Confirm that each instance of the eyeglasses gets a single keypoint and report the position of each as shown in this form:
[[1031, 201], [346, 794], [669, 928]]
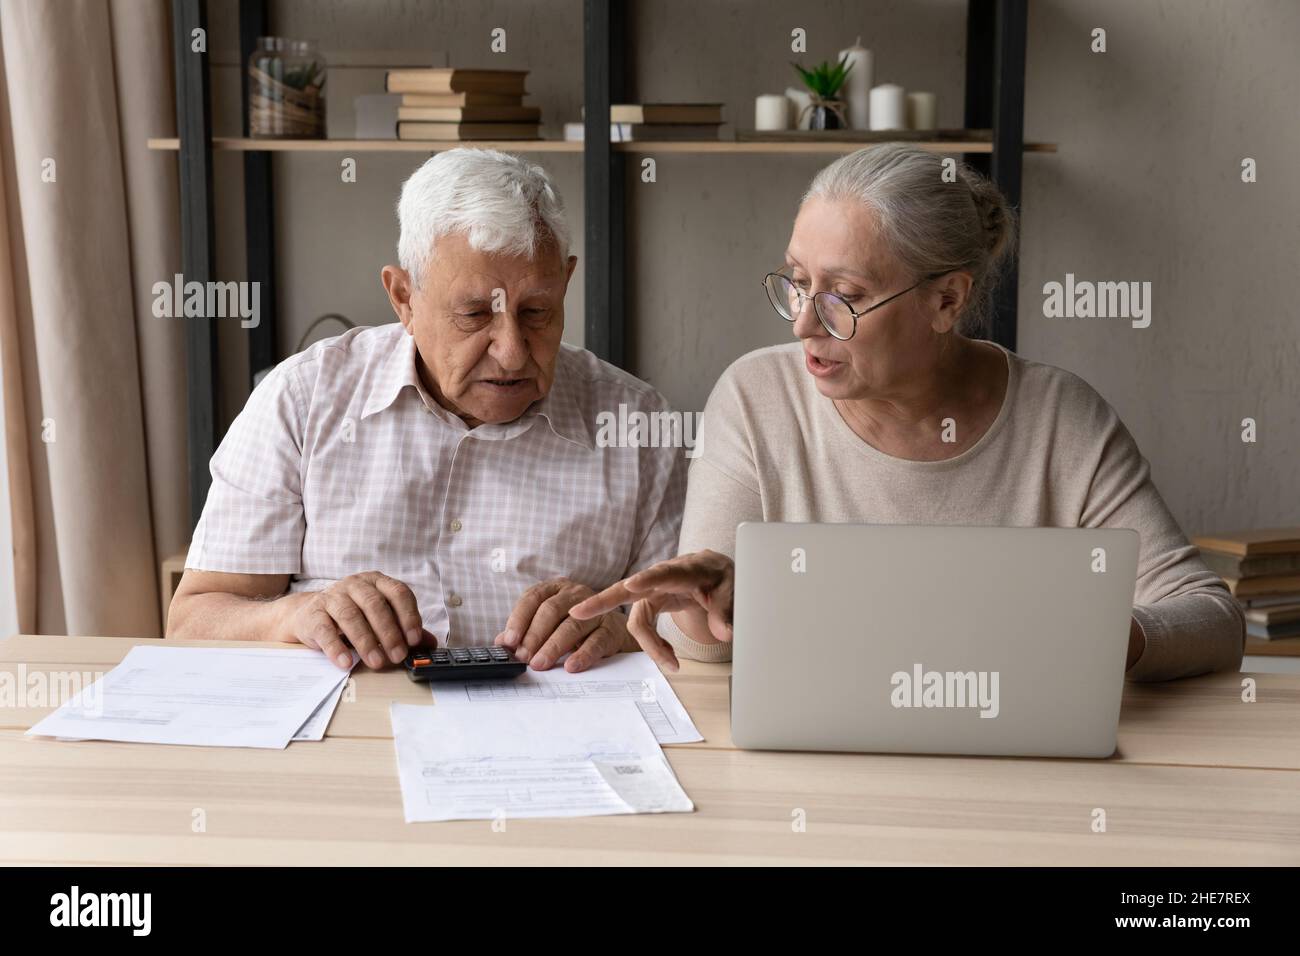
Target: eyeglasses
[[835, 314]]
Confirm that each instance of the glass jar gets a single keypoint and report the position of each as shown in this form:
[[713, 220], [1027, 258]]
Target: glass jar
[[286, 89]]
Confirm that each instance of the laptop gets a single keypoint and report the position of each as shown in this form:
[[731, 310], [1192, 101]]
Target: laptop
[[938, 640]]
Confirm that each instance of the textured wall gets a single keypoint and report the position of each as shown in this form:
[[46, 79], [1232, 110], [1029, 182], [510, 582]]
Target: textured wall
[[1146, 187]]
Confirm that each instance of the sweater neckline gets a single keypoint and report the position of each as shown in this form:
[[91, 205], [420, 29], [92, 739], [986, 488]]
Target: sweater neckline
[[990, 434]]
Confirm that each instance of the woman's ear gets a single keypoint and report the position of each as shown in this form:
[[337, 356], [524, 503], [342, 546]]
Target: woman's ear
[[949, 295]]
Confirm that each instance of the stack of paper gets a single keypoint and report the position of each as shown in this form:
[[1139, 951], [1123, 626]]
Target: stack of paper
[[547, 759], [544, 744], [631, 677], [205, 696]]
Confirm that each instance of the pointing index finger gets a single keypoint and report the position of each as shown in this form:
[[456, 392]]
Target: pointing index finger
[[616, 595]]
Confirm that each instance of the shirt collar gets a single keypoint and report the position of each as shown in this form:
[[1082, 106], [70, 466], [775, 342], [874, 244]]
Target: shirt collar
[[395, 373], [561, 408]]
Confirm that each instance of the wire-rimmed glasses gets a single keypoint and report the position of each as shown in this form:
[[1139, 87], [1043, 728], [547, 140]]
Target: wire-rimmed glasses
[[835, 314]]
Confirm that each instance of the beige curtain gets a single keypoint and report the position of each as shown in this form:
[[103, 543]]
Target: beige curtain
[[94, 392]]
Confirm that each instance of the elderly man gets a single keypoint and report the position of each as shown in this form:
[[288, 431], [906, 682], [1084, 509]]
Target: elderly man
[[438, 478]]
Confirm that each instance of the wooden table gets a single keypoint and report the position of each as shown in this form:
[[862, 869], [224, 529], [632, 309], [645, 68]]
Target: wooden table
[[1200, 778]]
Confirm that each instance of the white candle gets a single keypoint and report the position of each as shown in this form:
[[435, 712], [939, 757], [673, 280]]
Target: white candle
[[857, 86], [799, 100], [922, 111], [772, 112], [887, 109]]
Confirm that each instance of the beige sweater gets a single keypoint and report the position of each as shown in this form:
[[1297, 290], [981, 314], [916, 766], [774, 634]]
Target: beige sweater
[[773, 449]]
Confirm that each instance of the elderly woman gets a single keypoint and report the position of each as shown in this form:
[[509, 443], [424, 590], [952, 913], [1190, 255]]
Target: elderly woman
[[889, 411]]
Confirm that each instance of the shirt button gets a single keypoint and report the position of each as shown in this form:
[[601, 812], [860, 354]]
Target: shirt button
[[453, 599], [455, 524]]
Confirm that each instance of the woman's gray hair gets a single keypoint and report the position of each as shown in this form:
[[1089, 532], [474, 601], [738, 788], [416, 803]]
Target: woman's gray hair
[[500, 202], [931, 225]]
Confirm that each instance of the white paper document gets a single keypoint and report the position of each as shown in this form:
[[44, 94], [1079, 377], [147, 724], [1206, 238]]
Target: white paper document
[[552, 759], [621, 676], [204, 696], [314, 728]]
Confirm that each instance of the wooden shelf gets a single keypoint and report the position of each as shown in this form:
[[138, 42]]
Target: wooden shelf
[[236, 144]]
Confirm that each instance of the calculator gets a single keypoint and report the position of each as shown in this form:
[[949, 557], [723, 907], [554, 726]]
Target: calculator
[[463, 663]]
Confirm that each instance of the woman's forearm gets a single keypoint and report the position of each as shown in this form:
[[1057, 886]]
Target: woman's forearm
[[688, 632], [1191, 633]]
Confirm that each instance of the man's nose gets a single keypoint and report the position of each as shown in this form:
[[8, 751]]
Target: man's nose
[[509, 347]]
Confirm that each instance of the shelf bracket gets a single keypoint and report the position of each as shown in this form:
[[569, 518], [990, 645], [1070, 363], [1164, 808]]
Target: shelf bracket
[[995, 99], [259, 206], [604, 82], [194, 129]]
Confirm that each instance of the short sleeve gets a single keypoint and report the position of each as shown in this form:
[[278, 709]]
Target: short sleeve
[[253, 520]]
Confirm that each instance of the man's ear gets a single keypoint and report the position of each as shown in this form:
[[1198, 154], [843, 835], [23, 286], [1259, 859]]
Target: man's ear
[[951, 292], [571, 265], [398, 285]]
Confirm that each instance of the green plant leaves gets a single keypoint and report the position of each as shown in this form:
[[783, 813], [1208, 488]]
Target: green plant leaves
[[824, 79]]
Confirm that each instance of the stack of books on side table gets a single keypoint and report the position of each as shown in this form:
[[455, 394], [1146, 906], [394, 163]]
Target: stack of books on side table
[[1262, 570]]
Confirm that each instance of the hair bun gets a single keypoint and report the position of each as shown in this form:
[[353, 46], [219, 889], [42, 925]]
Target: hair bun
[[996, 217]]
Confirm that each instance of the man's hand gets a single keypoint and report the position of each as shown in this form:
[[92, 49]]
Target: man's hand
[[700, 584], [374, 613], [540, 630]]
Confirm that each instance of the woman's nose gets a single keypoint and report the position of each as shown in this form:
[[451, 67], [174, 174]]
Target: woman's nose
[[806, 323]]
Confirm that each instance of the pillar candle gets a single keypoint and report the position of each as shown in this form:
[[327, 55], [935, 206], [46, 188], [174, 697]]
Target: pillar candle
[[857, 86], [887, 109], [798, 100], [772, 112], [922, 111]]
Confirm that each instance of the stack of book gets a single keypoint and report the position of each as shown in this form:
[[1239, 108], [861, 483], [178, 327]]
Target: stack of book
[[1262, 570], [447, 104], [657, 122]]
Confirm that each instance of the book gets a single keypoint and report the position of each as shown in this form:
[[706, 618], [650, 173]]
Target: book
[[1249, 544], [681, 113], [1269, 584], [646, 132], [1233, 566], [470, 114], [1271, 632], [1278, 614], [1270, 600], [462, 98], [452, 132], [452, 80]]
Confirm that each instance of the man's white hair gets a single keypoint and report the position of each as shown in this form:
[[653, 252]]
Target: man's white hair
[[502, 203]]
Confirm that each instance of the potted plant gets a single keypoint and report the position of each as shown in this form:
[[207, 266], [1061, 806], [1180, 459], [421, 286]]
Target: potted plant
[[824, 82]]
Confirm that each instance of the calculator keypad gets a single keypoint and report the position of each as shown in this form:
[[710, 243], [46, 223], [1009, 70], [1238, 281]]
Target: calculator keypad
[[463, 663]]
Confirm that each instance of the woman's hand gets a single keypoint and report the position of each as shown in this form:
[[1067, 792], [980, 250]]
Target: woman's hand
[[702, 582], [1137, 643]]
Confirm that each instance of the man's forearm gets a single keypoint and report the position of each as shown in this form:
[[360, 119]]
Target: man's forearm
[[217, 616]]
